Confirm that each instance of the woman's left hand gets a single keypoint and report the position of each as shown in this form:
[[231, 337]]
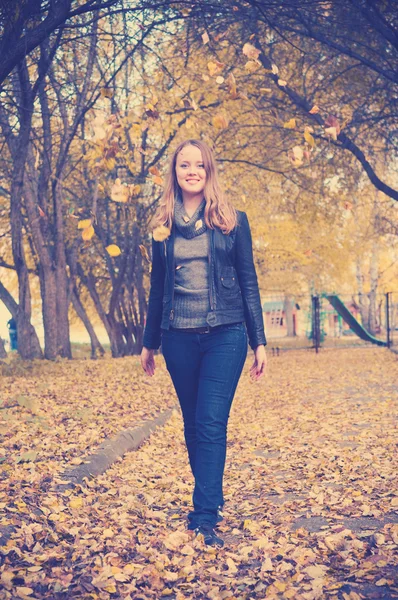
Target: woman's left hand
[[260, 363]]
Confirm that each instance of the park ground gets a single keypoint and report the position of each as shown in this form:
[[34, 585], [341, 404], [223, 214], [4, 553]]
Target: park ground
[[310, 483]]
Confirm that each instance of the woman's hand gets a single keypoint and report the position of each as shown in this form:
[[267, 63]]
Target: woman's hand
[[148, 361], [260, 363]]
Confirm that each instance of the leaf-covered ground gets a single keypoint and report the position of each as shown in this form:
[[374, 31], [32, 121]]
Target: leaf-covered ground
[[310, 486]]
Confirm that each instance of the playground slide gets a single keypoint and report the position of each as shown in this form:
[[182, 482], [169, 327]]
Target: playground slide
[[356, 327]]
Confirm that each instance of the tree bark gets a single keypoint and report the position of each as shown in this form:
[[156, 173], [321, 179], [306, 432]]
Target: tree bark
[[82, 314], [288, 308]]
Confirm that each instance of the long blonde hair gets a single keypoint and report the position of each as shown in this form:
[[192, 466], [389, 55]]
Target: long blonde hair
[[219, 212]]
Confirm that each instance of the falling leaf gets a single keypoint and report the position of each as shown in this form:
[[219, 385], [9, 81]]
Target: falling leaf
[[186, 219], [205, 37], [314, 110], [290, 124], [198, 224], [113, 250], [219, 79], [161, 233], [274, 69], [88, 233], [84, 224]]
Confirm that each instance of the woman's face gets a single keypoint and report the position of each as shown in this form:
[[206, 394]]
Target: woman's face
[[190, 170]]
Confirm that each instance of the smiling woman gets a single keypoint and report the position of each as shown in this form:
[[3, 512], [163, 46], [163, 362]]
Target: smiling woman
[[203, 291]]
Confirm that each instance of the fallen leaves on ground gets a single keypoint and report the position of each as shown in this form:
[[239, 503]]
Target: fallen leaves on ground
[[310, 486]]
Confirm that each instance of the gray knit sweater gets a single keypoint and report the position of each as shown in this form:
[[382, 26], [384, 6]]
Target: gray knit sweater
[[191, 252]]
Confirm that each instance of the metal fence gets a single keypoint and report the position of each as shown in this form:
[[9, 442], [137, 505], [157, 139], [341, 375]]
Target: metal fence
[[330, 321]]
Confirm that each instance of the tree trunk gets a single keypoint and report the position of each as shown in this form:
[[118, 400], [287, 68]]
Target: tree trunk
[[82, 314], [3, 353], [62, 297], [374, 279], [89, 282], [30, 333], [28, 346], [363, 300], [288, 308]]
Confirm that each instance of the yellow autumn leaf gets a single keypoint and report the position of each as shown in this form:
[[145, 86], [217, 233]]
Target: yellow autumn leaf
[[76, 502], [282, 82], [274, 69], [232, 568], [215, 67], [135, 189], [205, 37], [108, 533], [158, 180], [316, 571], [220, 122], [110, 164], [161, 233], [88, 233], [84, 223], [290, 124], [309, 139], [24, 591], [113, 250]]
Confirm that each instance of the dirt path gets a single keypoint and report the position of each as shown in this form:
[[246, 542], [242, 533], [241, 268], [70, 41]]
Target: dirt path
[[311, 500]]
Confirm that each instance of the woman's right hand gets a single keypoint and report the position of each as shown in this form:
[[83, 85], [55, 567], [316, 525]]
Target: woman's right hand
[[148, 361]]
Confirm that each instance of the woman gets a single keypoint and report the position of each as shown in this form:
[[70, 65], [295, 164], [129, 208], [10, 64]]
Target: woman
[[204, 290]]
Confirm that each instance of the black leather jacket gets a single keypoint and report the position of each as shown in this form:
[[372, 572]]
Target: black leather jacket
[[233, 286]]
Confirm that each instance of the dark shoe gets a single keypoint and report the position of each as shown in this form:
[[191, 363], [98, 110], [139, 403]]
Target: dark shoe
[[209, 535]]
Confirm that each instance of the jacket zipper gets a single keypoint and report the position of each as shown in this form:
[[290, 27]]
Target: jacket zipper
[[211, 233], [171, 315]]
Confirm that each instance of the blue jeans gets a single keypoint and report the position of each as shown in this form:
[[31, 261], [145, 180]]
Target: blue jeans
[[205, 369]]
